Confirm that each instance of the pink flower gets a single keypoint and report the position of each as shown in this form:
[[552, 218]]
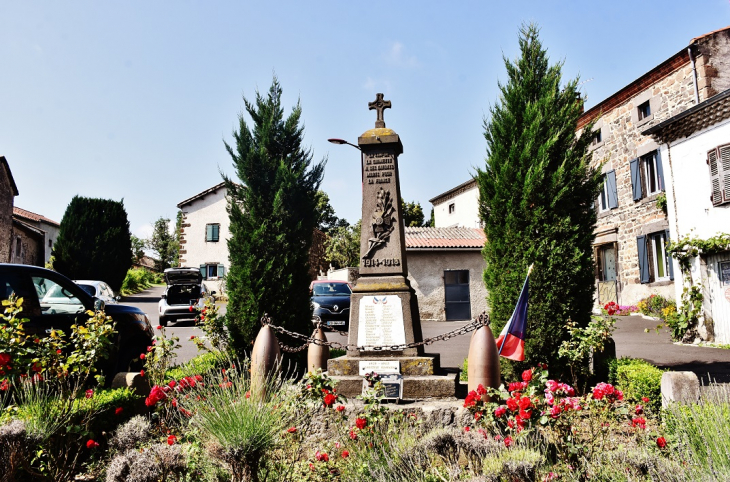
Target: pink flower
[[639, 410], [89, 393], [551, 385], [90, 444], [171, 440], [555, 411]]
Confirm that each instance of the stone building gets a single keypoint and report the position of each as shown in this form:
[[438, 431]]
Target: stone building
[[445, 268], [8, 191], [696, 146], [632, 228], [458, 207], [27, 244], [49, 227]]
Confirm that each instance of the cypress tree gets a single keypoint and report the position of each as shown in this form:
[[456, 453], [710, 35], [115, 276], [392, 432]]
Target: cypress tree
[[273, 214], [94, 241], [537, 194]]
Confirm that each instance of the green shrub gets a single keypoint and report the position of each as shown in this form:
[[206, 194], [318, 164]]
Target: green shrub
[[337, 352], [464, 375], [637, 379], [200, 365], [138, 279]]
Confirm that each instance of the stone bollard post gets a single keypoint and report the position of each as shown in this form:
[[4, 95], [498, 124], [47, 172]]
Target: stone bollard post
[[680, 387], [265, 360], [483, 361], [317, 355]]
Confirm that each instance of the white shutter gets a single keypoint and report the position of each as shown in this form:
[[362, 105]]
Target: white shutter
[[724, 172], [716, 195]]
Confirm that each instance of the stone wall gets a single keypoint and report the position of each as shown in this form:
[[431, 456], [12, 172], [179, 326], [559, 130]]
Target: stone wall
[[6, 215], [426, 275], [30, 249]]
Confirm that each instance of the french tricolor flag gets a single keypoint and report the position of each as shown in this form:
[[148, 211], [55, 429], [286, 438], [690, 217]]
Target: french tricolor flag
[[511, 341]]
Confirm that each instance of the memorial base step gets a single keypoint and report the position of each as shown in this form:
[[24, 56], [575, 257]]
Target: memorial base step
[[414, 387], [409, 365]]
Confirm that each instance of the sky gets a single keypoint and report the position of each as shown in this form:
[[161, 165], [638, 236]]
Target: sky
[[133, 100]]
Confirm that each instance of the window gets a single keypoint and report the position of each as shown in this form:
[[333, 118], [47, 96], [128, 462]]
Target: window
[[644, 110], [211, 232], [719, 162], [50, 243], [452, 208], [212, 270], [18, 247], [608, 199], [597, 138], [56, 299], [647, 175], [456, 290], [607, 263], [655, 264]]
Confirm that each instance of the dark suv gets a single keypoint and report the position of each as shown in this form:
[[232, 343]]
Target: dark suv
[[331, 303], [52, 301]]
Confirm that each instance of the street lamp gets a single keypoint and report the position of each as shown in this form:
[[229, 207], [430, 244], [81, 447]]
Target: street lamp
[[342, 141]]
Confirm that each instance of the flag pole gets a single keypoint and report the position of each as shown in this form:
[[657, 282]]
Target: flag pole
[[511, 319]]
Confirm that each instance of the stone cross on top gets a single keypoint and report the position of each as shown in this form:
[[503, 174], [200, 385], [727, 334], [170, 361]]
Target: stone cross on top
[[380, 105]]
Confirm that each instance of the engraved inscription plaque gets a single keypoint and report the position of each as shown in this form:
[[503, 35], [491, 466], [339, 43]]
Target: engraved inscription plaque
[[381, 321]]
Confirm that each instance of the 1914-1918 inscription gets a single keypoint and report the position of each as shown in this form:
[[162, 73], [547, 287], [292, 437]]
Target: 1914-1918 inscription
[[381, 321]]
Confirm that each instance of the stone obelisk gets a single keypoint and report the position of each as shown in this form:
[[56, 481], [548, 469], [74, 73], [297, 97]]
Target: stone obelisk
[[384, 308]]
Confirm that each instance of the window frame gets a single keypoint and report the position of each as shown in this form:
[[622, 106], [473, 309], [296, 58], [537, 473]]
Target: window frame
[[643, 111], [650, 172], [661, 237], [212, 235], [452, 208], [721, 176]]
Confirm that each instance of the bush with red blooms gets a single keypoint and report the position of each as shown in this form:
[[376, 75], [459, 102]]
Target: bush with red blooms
[[611, 308], [319, 390]]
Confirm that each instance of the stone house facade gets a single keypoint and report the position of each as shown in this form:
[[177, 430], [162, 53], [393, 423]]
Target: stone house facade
[[49, 227], [26, 244], [445, 268], [458, 207], [696, 145], [8, 192], [632, 229]]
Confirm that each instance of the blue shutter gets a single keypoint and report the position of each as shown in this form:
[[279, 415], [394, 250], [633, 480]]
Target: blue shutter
[[636, 179], [660, 173], [203, 271], [208, 232], [221, 270], [611, 189], [643, 259], [216, 227], [670, 264]]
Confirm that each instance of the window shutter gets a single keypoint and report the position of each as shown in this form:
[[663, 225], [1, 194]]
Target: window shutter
[[660, 172], [716, 193], [636, 179], [611, 189], [643, 259], [216, 228], [203, 271], [221, 270], [670, 264], [208, 232], [724, 173]]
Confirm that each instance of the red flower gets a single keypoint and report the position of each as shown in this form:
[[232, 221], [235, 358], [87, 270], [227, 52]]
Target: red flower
[[481, 390], [555, 411], [345, 454], [156, 394], [90, 444], [471, 399], [639, 410], [89, 393], [353, 435], [500, 411], [467, 428], [321, 456], [192, 337], [638, 422], [141, 373], [171, 440], [172, 384], [291, 430], [512, 404], [159, 327], [190, 308], [118, 411], [58, 352], [340, 408], [661, 442], [4, 386], [149, 349], [645, 399], [527, 375], [508, 441], [329, 399], [4, 359], [525, 403], [361, 423], [142, 356], [525, 415]]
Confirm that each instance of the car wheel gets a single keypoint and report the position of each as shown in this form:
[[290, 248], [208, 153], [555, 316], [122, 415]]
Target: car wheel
[[163, 321]]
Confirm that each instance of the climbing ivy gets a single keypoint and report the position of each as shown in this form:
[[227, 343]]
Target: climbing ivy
[[684, 250]]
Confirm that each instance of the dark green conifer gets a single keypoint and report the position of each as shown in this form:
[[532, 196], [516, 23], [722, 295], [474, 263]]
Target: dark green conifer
[[273, 214], [537, 196], [94, 241]]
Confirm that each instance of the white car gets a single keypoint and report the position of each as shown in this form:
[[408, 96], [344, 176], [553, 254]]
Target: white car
[[185, 294], [98, 289]]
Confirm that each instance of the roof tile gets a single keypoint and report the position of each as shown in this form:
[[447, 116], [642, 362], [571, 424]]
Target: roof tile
[[444, 238]]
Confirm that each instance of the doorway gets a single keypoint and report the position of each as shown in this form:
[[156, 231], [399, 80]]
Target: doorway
[[456, 288]]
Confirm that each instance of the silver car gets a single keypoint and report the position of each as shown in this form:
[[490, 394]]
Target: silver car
[[99, 289], [185, 294]]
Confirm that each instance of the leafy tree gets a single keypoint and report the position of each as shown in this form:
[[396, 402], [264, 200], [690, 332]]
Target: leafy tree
[[412, 213], [162, 244], [342, 247], [174, 249], [272, 220], [536, 200], [431, 223], [326, 214], [94, 241], [137, 248]]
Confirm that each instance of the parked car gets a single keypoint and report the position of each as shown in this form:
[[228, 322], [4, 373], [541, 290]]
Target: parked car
[[184, 294], [331, 303], [52, 301], [99, 289]]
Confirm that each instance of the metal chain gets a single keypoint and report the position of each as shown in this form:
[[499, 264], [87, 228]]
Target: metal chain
[[478, 322]]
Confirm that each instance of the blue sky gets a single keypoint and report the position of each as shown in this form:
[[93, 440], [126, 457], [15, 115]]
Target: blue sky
[[133, 99]]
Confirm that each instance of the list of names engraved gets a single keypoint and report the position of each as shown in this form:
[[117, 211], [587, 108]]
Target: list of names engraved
[[381, 321]]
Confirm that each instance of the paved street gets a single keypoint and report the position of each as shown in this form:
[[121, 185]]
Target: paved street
[[630, 341]]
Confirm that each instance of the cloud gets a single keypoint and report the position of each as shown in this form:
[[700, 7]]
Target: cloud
[[377, 85], [399, 58], [144, 231]]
